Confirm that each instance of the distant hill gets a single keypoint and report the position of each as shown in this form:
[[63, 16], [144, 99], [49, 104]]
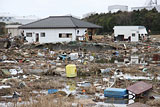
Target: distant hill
[[149, 19]]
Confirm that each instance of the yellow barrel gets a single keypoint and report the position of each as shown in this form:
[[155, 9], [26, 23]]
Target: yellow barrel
[[71, 70]]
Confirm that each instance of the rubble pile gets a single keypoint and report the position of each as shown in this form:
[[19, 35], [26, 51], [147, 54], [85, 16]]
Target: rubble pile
[[35, 71]]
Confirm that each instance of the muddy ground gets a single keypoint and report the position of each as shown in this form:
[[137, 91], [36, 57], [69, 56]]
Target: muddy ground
[[29, 71]]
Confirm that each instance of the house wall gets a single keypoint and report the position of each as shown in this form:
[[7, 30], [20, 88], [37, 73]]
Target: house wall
[[13, 29], [143, 31], [14, 32], [127, 31], [51, 35], [136, 37], [82, 32]]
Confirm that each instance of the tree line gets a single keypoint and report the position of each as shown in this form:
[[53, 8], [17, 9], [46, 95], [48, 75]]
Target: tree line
[[148, 18]]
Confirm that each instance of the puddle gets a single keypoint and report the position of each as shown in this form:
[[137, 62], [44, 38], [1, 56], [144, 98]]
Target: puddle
[[131, 77], [8, 97], [117, 101], [84, 84], [157, 97], [1, 87], [103, 104]]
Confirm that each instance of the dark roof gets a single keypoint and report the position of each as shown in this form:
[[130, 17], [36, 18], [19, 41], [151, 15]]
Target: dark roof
[[59, 22]]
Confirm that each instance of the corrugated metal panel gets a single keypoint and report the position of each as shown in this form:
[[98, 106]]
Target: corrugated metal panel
[[139, 87]]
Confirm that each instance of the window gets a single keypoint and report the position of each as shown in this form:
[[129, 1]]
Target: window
[[28, 34], [65, 35], [77, 31], [43, 34], [69, 35], [133, 34], [60, 35]]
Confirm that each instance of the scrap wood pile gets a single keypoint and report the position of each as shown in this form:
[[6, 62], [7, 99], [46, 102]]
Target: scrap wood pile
[[102, 39], [10, 42]]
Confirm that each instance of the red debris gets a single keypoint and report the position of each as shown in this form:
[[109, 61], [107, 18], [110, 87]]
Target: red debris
[[139, 87]]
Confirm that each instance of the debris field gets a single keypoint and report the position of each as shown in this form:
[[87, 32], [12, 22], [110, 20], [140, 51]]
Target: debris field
[[78, 74]]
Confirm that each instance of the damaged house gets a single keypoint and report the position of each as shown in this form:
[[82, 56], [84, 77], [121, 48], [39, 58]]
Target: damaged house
[[57, 29], [13, 30], [130, 33]]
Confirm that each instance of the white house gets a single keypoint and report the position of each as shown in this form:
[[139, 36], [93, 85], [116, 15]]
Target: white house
[[56, 29], [13, 30], [130, 33]]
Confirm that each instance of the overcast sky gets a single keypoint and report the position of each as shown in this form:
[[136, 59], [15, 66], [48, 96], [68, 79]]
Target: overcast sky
[[45, 8]]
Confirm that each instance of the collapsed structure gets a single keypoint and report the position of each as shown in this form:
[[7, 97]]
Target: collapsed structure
[[13, 30], [130, 33]]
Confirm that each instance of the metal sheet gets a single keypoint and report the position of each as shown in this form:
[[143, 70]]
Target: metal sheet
[[115, 93], [139, 87]]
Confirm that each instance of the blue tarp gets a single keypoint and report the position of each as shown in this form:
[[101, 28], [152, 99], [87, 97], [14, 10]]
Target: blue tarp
[[51, 91]]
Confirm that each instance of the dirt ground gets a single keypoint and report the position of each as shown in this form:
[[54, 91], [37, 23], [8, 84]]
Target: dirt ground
[[155, 37]]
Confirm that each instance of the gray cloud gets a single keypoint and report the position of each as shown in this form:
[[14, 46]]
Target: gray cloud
[[44, 8]]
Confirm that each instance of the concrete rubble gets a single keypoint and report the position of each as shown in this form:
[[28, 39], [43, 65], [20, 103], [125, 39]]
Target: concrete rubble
[[35, 75]]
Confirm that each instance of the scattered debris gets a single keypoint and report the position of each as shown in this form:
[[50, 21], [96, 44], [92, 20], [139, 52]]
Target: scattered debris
[[36, 72], [139, 88]]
